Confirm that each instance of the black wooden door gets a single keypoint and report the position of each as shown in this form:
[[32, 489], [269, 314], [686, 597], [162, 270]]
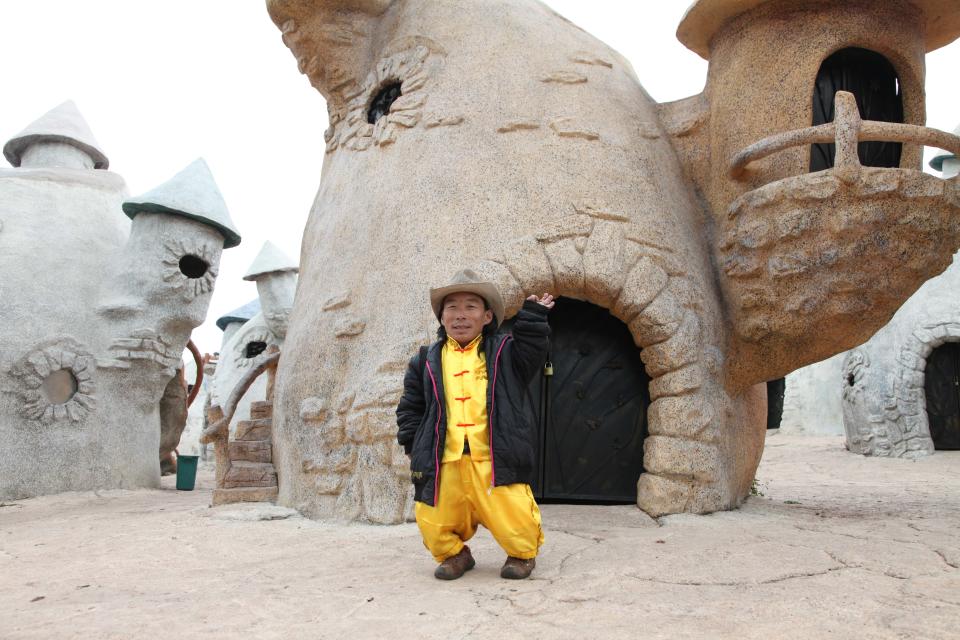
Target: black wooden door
[[873, 81], [775, 391], [591, 412], [942, 388]]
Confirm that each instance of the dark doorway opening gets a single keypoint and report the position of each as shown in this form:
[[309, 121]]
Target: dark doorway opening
[[873, 80], [590, 411], [775, 391], [942, 388]]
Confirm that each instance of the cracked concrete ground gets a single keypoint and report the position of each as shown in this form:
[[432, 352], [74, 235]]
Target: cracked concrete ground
[[838, 545]]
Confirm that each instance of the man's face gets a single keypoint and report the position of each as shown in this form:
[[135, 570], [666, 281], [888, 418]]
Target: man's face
[[464, 316]]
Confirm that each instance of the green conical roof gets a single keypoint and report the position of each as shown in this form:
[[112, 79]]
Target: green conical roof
[[240, 314], [192, 193], [270, 260], [63, 124]]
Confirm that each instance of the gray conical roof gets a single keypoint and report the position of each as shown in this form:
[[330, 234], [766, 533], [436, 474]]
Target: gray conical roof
[[62, 124], [269, 260], [937, 163], [240, 314], [192, 193]]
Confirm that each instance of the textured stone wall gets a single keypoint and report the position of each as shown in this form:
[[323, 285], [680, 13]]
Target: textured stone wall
[[884, 408], [812, 399]]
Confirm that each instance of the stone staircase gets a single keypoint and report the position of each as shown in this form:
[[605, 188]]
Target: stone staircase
[[250, 475]]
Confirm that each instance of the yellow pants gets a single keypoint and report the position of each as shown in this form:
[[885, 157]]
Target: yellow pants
[[509, 512]]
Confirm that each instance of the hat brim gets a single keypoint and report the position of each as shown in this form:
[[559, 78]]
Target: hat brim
[[486, 290]]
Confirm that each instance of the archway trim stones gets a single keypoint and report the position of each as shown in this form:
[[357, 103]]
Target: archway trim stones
[[600, 257], [909, 400]]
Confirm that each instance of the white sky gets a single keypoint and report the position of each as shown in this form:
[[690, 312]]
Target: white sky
[[162, 83]]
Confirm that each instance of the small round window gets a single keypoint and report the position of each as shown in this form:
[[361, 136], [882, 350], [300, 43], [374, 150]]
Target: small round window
[[253, 349], [380, 105], [193, 266], [60, 386]]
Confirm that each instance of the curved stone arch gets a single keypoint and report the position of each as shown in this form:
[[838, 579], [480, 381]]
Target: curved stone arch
[[910, 399], [600, 257]]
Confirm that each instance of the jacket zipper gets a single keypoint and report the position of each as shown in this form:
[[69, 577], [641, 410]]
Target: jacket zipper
[[493, 404], [436, 439]]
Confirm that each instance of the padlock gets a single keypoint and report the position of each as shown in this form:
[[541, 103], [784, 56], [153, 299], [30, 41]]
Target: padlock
[[548, 369]]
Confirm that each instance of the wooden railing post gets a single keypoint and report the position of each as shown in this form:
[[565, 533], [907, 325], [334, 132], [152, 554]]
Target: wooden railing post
[[847, 123]]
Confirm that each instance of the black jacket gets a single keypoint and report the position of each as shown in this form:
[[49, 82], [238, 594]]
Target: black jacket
[[512, 362]]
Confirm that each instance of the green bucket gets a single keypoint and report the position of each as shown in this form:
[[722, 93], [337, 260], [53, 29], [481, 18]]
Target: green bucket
[[186, 472]]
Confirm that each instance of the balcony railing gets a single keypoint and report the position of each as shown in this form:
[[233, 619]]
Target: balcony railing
[[846, 130]]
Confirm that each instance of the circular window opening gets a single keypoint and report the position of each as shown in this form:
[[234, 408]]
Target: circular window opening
[[60, 386], [380, 105], [254, 349], [193, 267]]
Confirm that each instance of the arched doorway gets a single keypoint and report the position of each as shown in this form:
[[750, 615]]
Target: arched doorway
[[873, 80], [590, 411], [942, 389], [775, 390]]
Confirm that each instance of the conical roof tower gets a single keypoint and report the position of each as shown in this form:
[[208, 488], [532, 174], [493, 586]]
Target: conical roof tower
[[192, 193], [705, 17], [270, 260], [63, 124], [240, 314]]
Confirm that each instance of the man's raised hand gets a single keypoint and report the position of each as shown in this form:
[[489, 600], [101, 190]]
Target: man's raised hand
[[546, 300]]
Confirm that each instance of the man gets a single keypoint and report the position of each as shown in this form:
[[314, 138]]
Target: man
[[461, 420]]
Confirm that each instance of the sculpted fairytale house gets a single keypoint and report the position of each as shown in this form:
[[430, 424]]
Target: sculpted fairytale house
[[264, 323], [703, 247], [240, 418], [97, 307]]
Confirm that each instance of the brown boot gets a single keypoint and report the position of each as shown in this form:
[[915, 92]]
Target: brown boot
[[455, 566], [517, 568]]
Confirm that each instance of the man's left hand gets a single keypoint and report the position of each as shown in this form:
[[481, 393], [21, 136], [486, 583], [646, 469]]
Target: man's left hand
[[546, 300]]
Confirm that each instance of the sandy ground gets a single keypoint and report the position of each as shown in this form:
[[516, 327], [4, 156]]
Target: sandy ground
[[837, 546]]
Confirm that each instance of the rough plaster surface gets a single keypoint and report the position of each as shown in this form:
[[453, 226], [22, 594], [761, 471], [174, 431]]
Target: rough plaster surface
[[234, 363], [196, 415], [884, 410], [173, 419], [884, 406], [705, 17], [812, 399], [818, 397], [87, 291], [839, 546], [276, 276], [550, 169]]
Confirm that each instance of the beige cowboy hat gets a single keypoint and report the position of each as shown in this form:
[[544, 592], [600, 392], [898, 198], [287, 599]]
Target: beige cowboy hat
[[467, 281]]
